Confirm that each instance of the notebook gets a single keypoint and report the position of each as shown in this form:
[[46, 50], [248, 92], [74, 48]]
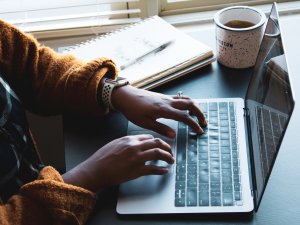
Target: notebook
[[148, 53], [226, 169]]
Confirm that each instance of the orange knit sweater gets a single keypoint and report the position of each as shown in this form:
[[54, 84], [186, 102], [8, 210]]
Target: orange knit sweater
[[48, 83]]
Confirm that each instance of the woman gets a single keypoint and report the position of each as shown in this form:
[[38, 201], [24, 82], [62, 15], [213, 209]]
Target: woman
[[35, 78]]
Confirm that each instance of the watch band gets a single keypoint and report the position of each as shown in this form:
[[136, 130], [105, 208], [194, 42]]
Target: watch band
[[107, 89]]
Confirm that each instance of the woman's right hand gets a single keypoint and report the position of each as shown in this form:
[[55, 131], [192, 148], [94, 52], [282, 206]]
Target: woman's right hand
[[121, 160]]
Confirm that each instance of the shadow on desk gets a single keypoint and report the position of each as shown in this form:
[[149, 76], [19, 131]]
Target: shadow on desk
[[221, 81]]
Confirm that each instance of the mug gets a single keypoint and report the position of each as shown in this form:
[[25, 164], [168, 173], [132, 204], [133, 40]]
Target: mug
[[239, 31]]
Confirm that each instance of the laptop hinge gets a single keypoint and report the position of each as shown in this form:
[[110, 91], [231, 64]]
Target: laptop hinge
[[250, 156]]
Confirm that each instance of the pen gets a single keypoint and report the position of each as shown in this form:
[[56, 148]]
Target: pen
[[155, 50]]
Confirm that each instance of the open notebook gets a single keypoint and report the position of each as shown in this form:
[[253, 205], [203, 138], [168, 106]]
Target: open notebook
[[180, 56]]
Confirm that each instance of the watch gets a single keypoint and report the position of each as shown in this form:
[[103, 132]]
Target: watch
[[107, 89]]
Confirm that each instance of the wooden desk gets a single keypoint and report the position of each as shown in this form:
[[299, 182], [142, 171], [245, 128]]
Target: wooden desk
[[281, 202]]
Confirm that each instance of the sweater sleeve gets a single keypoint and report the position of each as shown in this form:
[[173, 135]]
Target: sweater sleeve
[[47, 82], [48, 200]]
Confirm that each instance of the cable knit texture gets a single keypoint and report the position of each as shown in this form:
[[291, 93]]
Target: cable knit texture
[[48, 83], [48, 200]]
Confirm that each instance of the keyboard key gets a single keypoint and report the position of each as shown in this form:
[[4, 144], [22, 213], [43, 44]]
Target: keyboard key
[[223, 105], [214, 177], [203, 198], [214, 147], [216, 201], [214, 154], [179, 202], [225, 143], [213, 120], [180, 185], [192, 156], [203, 155], [203, 164], [203, 176], [224, 129], [203, 187], [237, 186], [227, 188], [180, 169], [202, 148], [225, 150], [224, 136], [213, 106], [223, 116], [224, 123], [203, 142], [235, 154], [227, 180], [215, 186], [226, 172], [226, 165], [213, 113], [191, 199], [227, 199], [192, 183], [180, 193], [236, 178], [192, 168], [225, 157], [180, 177], [237, 195], [192, 176]]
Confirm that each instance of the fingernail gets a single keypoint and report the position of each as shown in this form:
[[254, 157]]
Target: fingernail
[[171, 134], [200, 131]]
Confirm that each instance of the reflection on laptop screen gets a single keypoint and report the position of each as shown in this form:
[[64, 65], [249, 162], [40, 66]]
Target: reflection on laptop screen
[[270, 102]]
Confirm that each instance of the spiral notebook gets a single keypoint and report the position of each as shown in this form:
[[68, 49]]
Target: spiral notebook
[[148, 53]]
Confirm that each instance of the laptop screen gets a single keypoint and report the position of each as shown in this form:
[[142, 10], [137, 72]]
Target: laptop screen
[[270, 103]]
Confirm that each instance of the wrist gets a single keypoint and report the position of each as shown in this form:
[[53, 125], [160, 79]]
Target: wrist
[[105, 92]]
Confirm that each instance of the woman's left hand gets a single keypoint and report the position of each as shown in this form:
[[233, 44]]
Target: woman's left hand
[[144, 108]]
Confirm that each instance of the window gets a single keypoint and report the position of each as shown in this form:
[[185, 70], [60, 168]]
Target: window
[[78, 17], [175, 7], [37, 15]]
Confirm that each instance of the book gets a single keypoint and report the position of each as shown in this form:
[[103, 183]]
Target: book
[[148, 53]]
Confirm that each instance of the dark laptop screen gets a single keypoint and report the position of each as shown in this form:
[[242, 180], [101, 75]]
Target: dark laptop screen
[[270, 103]]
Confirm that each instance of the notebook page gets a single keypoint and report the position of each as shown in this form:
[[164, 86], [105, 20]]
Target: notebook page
[[127, 44]]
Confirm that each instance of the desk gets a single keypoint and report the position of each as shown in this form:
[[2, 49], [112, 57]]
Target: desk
[[281, 202]]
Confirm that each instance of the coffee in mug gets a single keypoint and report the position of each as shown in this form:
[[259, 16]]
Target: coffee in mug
[[239, 31]]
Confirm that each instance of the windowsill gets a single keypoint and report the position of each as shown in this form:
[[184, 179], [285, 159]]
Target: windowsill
[[183, 21], [286, 8]]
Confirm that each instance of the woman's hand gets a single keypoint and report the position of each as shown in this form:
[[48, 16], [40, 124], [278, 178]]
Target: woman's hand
[[121, 160], [144, 108]]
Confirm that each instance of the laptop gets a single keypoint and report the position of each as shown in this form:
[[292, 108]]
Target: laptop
[[226, 169]]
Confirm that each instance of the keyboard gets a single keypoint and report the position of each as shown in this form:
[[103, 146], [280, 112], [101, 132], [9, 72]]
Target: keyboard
[[270, 126], [207, 165]]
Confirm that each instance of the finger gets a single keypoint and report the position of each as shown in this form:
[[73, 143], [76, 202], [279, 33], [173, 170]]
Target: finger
[[156, 154], [161, 128], [191, 106], [155, 143], [181, 97], [184, 117], [142, 137], [153, 170]]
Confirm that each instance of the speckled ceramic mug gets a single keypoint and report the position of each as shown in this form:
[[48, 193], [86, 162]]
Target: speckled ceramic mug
[[238, 47]]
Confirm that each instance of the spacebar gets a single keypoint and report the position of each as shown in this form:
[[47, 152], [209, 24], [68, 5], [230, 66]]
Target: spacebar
[[181, 143]]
